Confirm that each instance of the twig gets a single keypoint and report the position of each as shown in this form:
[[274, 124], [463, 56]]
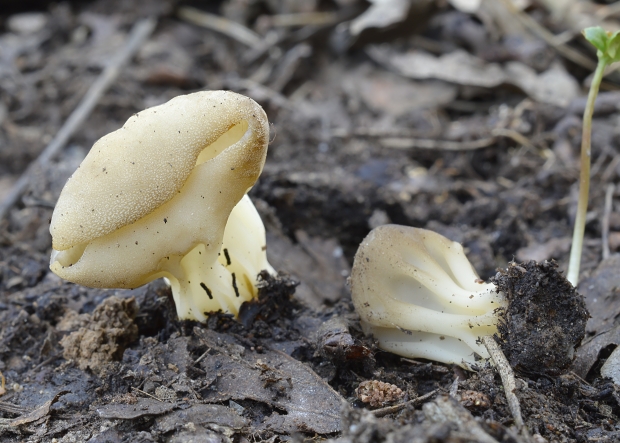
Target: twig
[[300, 35], [610, 169], [442, 145], [514, 135], [145, 393], [46, 362], [609, 193], [139, 33], [541, 32], [405, 139], [608, 11], [12, 409], [508, 379], [260, 92], [222, 25], [399, 407], [202, 356], [288, 66], [377, 132], [303, 19]]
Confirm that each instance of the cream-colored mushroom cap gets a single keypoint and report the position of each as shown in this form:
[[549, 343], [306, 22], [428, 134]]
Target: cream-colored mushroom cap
[[131, 172], [418, 294], [165, 196]]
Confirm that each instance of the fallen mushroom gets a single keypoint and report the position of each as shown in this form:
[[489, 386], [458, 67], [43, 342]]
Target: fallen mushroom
[[419, 296], [417, 293], [165, 196]]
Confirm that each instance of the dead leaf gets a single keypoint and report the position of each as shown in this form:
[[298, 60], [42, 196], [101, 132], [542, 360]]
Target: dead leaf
[[143, 407], [390, 93], [381, 14], [554, 86], [201, 415], [544, 251], [602, 294], [457, 67], [324, 260], [39, 413], [308, 404], [611, 368]]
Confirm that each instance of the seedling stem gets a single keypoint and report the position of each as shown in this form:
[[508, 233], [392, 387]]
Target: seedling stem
[[608, 52], [584, 177]]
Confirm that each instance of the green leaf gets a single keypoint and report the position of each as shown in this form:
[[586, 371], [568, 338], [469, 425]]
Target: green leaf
[[613, 47], [597, 36], [607, 43]]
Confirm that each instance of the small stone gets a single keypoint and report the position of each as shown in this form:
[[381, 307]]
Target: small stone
[[377, 393], [475, 400]]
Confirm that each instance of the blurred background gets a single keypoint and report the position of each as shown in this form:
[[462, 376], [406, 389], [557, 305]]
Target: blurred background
[[461, 116]]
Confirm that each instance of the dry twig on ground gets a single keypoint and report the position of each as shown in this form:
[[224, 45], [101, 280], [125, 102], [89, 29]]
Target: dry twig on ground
[[508, 379], [139, 34]]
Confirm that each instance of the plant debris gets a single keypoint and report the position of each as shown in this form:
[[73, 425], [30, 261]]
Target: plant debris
[[544, 321]]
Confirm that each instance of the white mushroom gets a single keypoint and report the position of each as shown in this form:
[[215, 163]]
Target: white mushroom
[[417, 293], [165, 196]]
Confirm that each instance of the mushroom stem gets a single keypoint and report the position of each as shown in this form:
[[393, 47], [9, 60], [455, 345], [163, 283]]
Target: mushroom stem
[[200, 286], [433, 335]]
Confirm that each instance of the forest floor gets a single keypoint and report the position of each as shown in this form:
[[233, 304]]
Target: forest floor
[[462, 117]]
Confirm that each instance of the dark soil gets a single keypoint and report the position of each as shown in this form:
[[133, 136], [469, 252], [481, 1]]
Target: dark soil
[[545, 319], [356, 143]]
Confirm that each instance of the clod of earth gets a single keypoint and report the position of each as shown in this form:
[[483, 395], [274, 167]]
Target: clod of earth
[[103, 336], [165, 196], [417, 293], [544, 319]]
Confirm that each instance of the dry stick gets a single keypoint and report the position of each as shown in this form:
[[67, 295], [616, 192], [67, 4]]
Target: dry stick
[[564, 50], [514, 135], [11, 408], [303, 19], [222, 25], [139, 33], [508, 379], [289, 65], [608, 11], [609, 193], [392, 409], [147, 394], [441, 145], [406, 139], [202, 356]]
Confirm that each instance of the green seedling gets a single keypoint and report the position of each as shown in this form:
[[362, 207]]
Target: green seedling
[[608, 52]]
